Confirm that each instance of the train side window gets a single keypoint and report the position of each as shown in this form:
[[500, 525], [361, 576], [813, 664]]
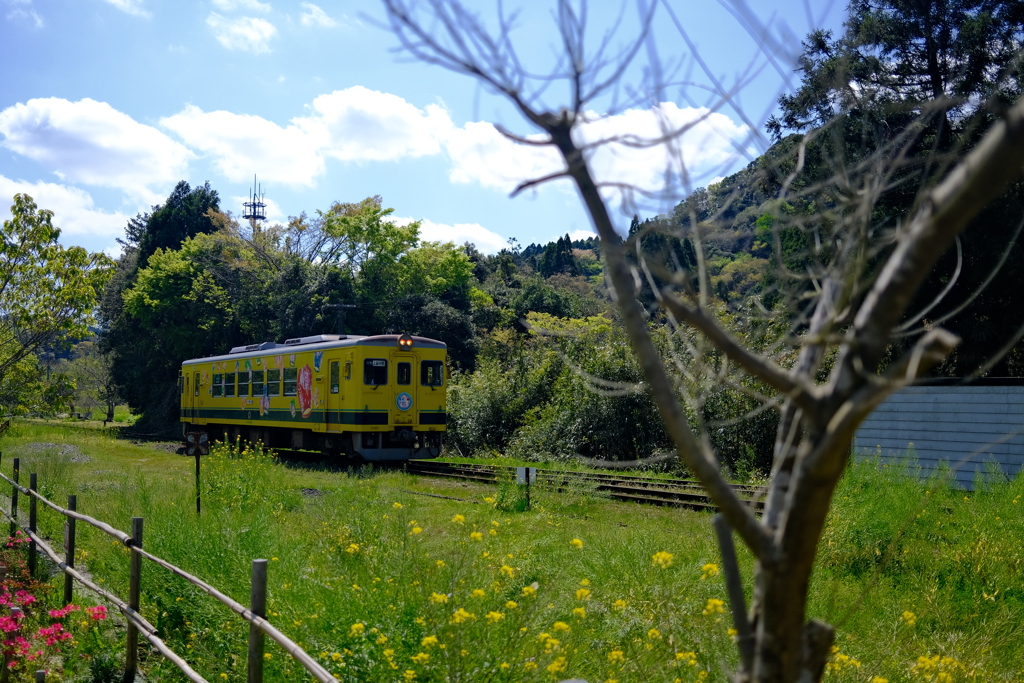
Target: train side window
[[229, 384], [257, 382], [291, 376], [243, 383], [335, 376], [375, 372], [273, 382], [182, 381], [431, 373], [403, 374], [218, 384], [196, 385]]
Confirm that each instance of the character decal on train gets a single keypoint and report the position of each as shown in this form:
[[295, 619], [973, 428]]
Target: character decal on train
[[305, 390], [403, 401]]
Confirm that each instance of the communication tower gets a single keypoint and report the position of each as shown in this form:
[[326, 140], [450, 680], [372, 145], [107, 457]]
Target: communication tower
[[255, 208]]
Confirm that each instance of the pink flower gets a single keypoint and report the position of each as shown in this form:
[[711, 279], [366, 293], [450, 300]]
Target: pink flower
[[98, 613]]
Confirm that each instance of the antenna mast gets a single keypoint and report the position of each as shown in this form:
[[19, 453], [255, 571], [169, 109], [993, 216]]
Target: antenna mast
[[255, 208]]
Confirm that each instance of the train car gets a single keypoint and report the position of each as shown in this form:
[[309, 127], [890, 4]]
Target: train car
[[376, 398]]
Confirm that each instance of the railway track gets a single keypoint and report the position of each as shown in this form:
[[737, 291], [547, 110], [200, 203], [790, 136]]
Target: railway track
[[631, 488]]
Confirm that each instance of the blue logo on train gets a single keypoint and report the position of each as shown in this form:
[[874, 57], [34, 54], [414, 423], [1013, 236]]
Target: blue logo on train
[[403, 401]]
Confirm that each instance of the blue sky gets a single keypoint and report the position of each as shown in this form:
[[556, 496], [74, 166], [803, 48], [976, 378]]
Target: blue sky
[[106, 104]]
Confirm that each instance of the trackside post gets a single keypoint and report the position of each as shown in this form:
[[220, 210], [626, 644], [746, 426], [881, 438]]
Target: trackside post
[[258, 606], [69, 550], [32, 482]]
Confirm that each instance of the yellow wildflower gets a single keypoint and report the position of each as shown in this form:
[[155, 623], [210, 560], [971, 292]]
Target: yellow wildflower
[[507, 570], [429, 641], [580, 612], [529, 591], [576, 543], [417, 530], [459, 519], [438, 598], [357, 629], [493, 532], [440, 564], [462, 615], [709, 570], [687, 658], [383, 639], [511, 604], [910, 618], [560, 626], [583, 594], [477, 593], [714, 606], [584, 582], [530, 666], [878, 679], [495, 523], [654, 634], [397, 506], [494, 617], [505, 666], [352, 548], [476, 536], [616, 657], [336, 656], [619, 604], [420, 658], [557, 666], [662, 559], [488, 500], [409, 675]]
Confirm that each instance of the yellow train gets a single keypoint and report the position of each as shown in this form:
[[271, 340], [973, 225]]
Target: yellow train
[[376, 398]]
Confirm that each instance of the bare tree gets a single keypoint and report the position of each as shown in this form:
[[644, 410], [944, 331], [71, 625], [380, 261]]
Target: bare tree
[[852, 303]]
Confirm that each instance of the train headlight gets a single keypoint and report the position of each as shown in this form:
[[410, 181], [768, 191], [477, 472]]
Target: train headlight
[[405, 342]]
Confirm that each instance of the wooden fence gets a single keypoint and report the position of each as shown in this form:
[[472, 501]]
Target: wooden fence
[[255, 614]]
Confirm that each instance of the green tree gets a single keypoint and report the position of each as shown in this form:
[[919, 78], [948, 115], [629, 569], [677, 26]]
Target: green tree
[[92, 372], [47, 291]]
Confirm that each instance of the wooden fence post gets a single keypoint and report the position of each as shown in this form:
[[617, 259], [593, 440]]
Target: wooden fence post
[[198, 490], [14, 496], [134, 582], [32, 483], [258, 606], [40, 676], [69, 550]]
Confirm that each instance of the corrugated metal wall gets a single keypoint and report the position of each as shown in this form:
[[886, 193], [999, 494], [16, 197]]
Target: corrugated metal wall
[[965, 426]]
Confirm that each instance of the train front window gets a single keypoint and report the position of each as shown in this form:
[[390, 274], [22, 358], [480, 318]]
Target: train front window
[[290, 381], [431, 373], [243, 383], [257, 382], [335, 376], [218, 384], [229, 384], [273, 382], [375, 372], [403, 374]]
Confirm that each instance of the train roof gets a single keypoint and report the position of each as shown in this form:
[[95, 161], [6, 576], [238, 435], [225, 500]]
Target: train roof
[[318, 342]]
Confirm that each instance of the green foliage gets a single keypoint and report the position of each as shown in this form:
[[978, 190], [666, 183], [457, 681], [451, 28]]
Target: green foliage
[[47, 291]]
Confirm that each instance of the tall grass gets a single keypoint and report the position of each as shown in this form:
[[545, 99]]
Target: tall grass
[[382, 584]]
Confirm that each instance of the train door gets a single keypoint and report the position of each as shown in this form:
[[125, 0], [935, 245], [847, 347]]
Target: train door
[[404, 402], [335, 367]]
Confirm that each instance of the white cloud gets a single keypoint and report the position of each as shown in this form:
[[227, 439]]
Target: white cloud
[[92, 143], [242, 33], [367, 125], [576, 235], [240, 145], [480, 154], [133, 7], [314, 16], [22, 10], [352, 125], [73, 209], [244, 5], [460, 233]]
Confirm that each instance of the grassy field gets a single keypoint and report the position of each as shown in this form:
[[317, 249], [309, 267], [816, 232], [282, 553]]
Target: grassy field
[[382, 583]]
